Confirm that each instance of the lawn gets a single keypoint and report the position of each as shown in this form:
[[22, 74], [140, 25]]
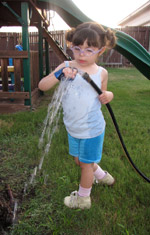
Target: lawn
[[121, 209]]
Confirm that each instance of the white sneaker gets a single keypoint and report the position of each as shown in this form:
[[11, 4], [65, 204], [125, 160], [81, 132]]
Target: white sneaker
[[75, 201], [107, 179]]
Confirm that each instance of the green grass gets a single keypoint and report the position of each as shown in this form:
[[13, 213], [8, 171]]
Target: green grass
[[122, 209]]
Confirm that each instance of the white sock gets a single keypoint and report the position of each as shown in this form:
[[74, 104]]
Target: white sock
[[84, 192], [99, 173]]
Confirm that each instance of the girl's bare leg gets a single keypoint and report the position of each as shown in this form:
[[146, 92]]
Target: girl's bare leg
[[86, 175], [88, 171], [94, 165]]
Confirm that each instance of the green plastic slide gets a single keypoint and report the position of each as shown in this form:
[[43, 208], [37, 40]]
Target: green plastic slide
[[126, 45]]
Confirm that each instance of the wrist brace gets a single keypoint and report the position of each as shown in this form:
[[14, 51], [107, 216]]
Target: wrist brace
[[59, 74]]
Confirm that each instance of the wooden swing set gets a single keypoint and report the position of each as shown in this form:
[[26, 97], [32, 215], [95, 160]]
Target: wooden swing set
[[27, 65]]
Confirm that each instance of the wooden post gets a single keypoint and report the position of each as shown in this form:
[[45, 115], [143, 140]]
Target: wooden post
[[17, 74], [4, 74], [47, 57], [40, 50], [25, 43]]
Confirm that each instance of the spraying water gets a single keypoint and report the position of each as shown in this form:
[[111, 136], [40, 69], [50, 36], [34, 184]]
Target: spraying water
[[52, 118], [50, 126]]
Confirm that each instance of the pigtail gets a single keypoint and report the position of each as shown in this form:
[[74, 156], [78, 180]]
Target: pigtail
[[110, 38], [94, 33], [69, 35]]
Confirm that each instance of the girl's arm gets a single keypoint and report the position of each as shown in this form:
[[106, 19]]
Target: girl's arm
[[106, 96], [49, 81]]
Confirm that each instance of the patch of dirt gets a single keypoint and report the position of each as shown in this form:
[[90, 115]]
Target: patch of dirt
[[6, 207], [8, 199]]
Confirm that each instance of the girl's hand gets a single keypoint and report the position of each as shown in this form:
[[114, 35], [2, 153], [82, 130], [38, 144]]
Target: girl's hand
[[70, 72], [106, 97]]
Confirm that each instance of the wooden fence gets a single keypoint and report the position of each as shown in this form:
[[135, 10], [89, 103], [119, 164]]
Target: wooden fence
[[14, 101], [8, 41]]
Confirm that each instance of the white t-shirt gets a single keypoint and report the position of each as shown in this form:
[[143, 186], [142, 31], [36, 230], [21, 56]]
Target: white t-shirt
[[83, 117]]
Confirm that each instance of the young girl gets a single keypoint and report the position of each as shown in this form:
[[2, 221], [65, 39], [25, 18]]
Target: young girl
[[83, 118]]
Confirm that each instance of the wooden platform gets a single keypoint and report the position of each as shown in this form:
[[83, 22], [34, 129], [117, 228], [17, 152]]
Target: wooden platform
[[16, 105], [23, 92], [6, 108]]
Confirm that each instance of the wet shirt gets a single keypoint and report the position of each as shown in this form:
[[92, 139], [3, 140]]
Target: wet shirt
[[83, 117]]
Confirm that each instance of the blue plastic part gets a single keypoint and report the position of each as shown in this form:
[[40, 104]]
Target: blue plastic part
[[59, 74]]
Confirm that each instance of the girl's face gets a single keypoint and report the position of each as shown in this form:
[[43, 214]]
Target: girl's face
[[85, 58]]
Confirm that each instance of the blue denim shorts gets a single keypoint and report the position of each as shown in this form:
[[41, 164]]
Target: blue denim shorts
[[87, 150]]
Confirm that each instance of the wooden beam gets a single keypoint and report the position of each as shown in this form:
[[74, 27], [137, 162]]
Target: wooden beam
[[26, 47], [38, 12], [5, 54], [14, 95], [12, 108], [4, 74], [60, 54], [35, 95], [17, 74]]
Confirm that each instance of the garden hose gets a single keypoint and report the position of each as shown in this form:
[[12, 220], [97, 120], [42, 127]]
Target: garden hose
[[89, 80]]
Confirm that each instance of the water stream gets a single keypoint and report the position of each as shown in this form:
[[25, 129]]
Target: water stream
[[50, 125]]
